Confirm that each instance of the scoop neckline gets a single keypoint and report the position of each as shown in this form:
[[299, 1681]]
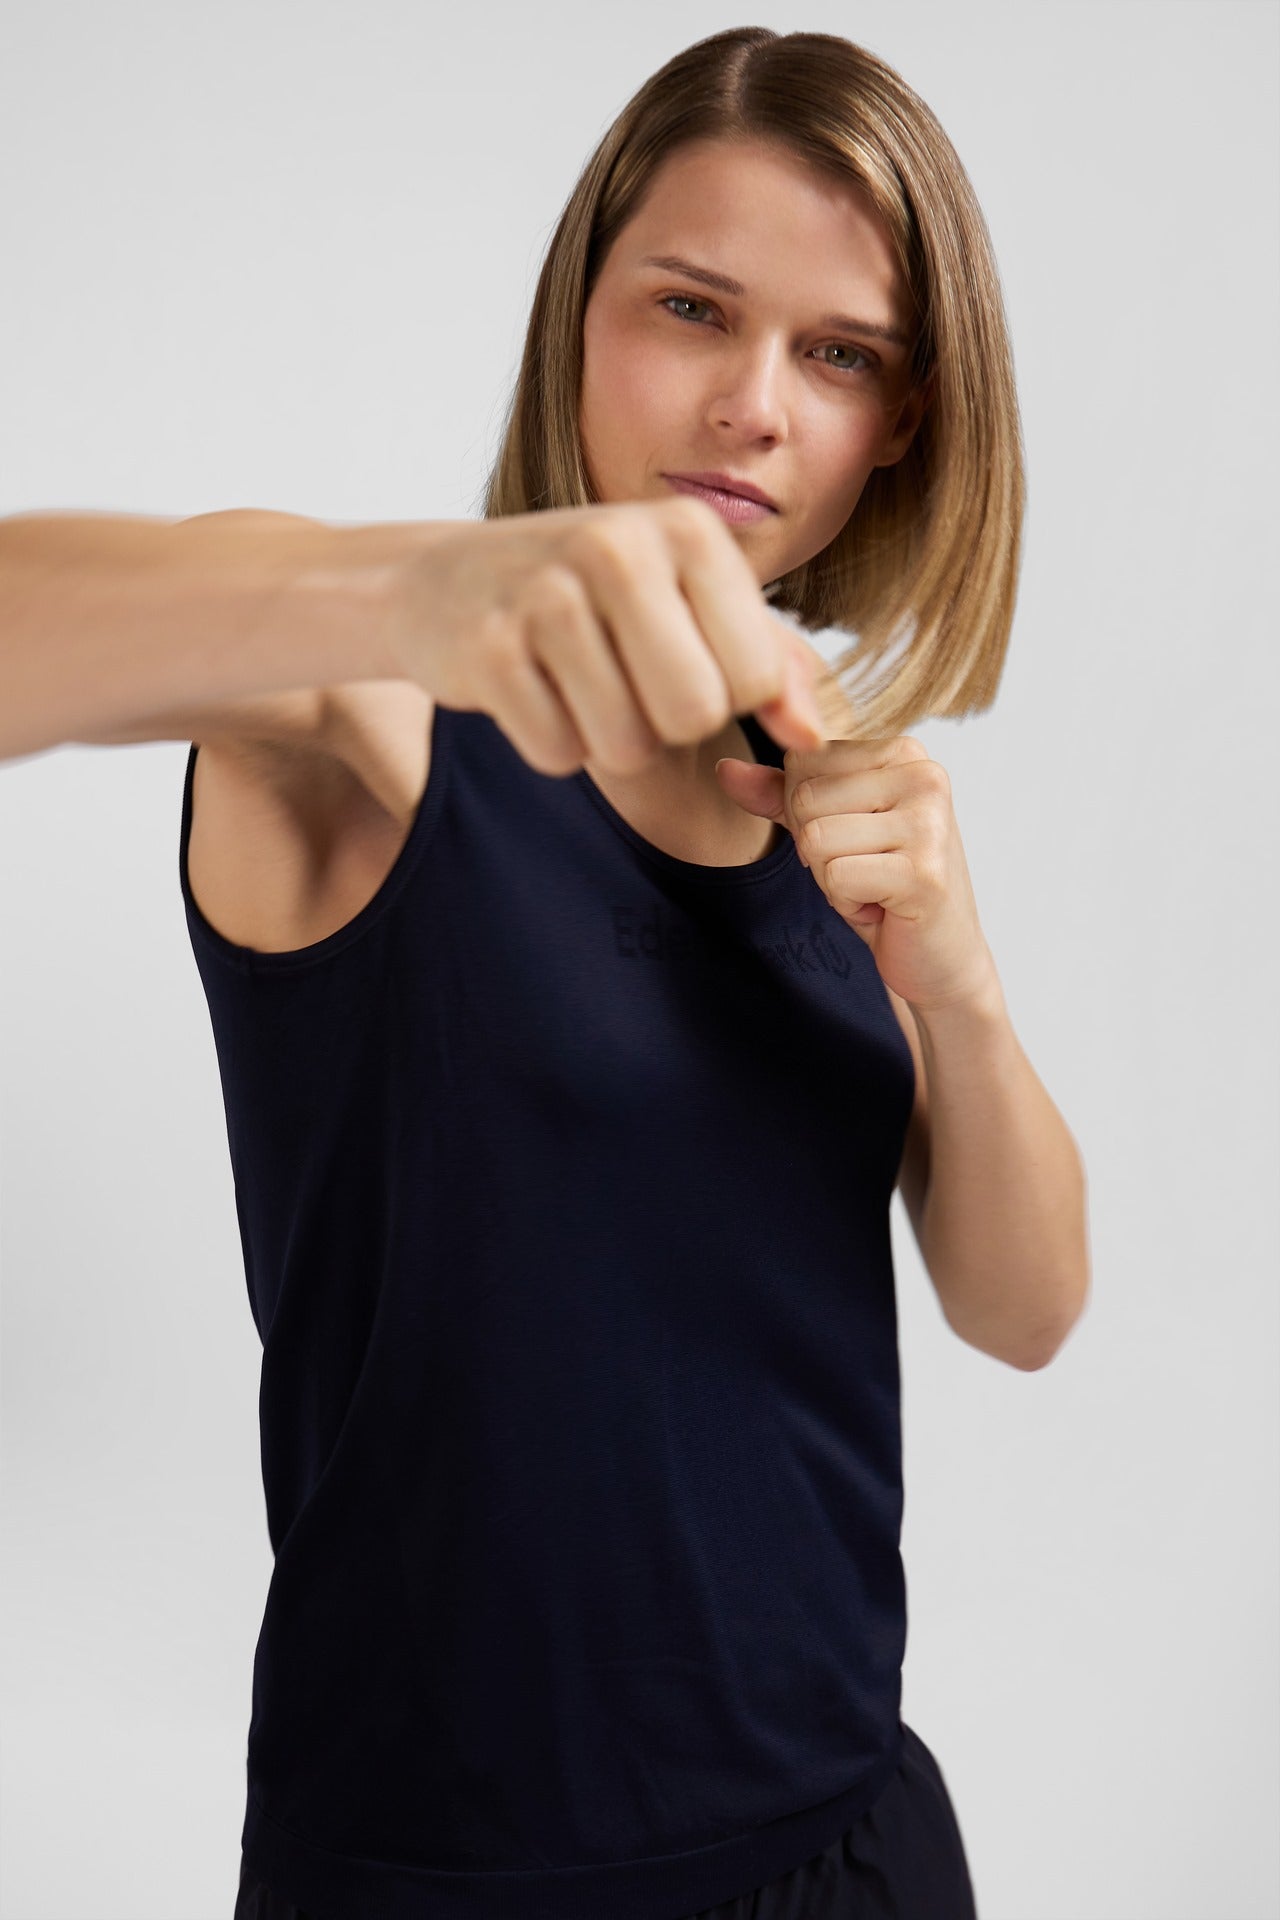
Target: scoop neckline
[[768, 753]]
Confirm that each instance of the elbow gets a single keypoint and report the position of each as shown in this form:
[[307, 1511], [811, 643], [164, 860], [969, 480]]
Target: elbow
[[1051, 1344], [1030, 1348]]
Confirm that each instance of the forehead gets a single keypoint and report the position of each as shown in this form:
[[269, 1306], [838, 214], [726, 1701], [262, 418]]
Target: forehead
[[770, 218]]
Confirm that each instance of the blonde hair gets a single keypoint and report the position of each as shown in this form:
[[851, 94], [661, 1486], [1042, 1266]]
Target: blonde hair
[[926, 564]]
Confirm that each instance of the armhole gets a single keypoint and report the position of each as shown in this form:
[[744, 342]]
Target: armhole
[[249, 959]]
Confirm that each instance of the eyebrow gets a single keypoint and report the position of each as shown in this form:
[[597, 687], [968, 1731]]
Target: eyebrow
[[721, 283]]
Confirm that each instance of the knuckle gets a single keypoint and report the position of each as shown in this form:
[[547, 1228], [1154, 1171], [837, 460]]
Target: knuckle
[[694, 520], [601, 543], [500, 649], [616, 556], [911, 752], [501, 634], [577, 543], [556, 587], [694, 717]]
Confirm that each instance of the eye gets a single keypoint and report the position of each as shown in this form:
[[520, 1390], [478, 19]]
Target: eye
[[843, 346], [683, 300], [673, 300]]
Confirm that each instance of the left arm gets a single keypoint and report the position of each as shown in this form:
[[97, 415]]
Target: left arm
[[992, 1178], [994, 1183]]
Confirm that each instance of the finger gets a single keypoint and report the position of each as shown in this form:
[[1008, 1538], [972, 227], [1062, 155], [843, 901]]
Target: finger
[[528, 707], [754, 648], [835, 709], [568, 642], [794, 719], [688, 619], [624, 562]]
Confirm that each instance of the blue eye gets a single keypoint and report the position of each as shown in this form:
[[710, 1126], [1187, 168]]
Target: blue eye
[[672, 300]]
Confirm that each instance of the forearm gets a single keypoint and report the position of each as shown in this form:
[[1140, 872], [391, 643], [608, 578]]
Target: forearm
[[109, 619], [1005, 1234]]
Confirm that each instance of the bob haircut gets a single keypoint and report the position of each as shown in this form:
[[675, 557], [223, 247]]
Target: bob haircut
[[926, 565]]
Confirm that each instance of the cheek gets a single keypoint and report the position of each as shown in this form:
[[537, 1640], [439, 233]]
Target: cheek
[[642, 386], [843, 449], [837, 460], [633, 383]]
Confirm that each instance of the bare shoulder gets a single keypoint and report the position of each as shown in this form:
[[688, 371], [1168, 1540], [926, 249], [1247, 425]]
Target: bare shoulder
[[290, 838]]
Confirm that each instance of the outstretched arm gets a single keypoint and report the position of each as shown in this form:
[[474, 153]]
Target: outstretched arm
[[113, 627]]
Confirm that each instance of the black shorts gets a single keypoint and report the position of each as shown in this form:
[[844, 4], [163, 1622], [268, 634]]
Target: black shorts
[[903, 1859]]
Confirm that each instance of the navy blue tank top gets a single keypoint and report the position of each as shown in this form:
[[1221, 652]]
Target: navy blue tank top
[[563, 1176]]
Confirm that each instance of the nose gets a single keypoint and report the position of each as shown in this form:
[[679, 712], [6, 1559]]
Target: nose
[[750, 394]]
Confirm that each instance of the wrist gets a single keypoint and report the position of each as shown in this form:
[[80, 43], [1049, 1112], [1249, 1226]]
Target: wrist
[[362, 574], [983, 1005]]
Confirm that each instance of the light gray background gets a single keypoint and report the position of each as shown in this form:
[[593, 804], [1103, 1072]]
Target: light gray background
[[282, 255]]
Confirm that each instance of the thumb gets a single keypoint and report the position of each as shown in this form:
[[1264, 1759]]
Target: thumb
[[756, 788]]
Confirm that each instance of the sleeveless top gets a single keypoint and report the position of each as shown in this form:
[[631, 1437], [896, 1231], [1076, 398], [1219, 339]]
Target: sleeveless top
[[563, 1176]]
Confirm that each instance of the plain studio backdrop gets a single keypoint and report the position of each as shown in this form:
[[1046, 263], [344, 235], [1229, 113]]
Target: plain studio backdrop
[[282, 256]]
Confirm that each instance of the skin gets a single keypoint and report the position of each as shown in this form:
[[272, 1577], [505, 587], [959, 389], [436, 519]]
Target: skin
[[751, 385]]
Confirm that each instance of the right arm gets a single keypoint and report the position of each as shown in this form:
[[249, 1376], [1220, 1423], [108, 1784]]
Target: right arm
[[600, 631], [119, 627]]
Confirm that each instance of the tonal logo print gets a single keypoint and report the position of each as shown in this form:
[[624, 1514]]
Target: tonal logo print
[[653, 932]]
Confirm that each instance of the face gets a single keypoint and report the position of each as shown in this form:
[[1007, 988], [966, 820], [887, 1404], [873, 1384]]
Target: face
[[682, 377]]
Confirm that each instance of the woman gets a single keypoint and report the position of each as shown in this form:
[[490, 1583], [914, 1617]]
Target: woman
[[565, 1114], [565, 1164]]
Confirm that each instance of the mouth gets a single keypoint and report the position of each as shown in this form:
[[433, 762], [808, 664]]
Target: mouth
[[737, 501]]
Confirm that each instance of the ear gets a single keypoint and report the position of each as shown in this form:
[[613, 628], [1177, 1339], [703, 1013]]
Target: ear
[[910, 414]]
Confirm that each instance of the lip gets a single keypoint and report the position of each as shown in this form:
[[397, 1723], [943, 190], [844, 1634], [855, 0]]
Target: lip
[[727, 483]]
